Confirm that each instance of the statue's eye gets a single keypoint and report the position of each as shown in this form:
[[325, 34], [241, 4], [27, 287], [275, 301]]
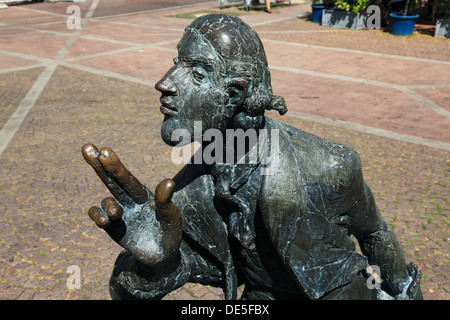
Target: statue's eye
[[175, 61], [198, 73]]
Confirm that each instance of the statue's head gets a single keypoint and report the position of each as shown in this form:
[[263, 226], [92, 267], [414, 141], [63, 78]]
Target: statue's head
[[220, 77]]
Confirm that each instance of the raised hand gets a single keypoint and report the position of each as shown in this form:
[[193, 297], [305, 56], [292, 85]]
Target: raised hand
[[147, 225]]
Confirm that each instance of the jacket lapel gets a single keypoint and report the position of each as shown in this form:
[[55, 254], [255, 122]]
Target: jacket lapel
[[201, 221]]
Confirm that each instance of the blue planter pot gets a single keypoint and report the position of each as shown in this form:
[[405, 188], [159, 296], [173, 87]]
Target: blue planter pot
[[317, 10], [402, 25]]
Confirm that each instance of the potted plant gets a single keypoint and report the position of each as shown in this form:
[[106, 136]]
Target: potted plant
[[402, 23], [441, 11], [346, 14]]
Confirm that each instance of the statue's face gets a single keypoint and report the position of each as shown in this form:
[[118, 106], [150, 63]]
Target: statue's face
[[194, 89]]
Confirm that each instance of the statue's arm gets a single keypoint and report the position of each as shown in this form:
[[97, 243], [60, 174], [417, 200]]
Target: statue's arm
[[376, 239], [378, 242]]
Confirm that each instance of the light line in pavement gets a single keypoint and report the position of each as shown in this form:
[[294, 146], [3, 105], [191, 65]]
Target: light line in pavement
[[14, 122]]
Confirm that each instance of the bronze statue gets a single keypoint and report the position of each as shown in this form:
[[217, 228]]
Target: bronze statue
[[285, 235]]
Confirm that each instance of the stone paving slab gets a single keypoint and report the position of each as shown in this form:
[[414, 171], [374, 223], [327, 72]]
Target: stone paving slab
[[439, 95], [88, 47], [10, 62], [378, 68], [361, 103], [13, 89], [143, 63], [108, 8], [102, 92], [377, 41], [34, 45]]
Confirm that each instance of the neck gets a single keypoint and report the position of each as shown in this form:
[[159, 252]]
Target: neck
[[233, 146]]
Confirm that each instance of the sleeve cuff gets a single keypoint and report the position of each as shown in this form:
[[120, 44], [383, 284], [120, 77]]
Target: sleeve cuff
[[132, 280]]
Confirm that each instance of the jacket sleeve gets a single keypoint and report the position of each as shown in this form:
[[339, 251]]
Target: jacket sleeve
[[378, 242], [132, 280], [376, 239]]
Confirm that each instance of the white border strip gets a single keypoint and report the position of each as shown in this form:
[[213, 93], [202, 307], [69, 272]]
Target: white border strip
[[371, 130]]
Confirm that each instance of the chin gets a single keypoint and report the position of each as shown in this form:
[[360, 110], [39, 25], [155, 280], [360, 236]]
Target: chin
[[166, 135], [173, 135], [169, 142]]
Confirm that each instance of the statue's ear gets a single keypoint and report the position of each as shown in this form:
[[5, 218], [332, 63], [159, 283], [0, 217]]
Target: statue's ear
[[237, 92]]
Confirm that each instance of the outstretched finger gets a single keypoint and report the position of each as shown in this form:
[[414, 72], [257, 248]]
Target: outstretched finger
[[90, 154], [117, 171]]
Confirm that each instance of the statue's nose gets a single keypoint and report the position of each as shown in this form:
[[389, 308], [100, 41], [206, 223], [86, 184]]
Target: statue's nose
[[166, 85]]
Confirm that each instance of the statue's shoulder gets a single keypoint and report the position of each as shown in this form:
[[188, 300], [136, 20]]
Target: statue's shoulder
[[317, 157]]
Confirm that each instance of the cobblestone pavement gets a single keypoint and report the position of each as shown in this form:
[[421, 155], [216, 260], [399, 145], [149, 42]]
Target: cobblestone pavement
[[388, 97]]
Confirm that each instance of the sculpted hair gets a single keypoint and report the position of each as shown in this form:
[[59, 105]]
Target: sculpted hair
[[243, 55]]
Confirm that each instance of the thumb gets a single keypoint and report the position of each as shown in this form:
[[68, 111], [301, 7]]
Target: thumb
[[166, 210]]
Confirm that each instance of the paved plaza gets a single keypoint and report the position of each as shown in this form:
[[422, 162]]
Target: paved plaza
[[386, 96]]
